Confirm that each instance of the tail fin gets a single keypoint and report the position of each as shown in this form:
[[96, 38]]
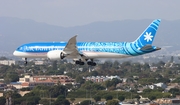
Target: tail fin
[[147, 37]]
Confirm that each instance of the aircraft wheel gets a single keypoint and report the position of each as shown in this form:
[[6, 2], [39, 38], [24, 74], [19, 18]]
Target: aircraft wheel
[[81, 63], [77, 62], [93, 64], [89, 63]]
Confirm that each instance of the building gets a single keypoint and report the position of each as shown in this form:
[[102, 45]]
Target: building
[[2, 86], [62, 79], [100, 78], [32, 81], [168, 101], [7, 62], [33, 84], [162, 85], [39, 62], [17, 85]]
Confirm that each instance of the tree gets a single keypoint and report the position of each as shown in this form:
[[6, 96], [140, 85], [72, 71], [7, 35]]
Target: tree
[[8, 95], [89, 85], [2, 100], [121, 98], [146, 66], [152, 97], [108, 83], [61, 101], [33, 100], [18, 101], [112, 82], [85, 102], [161, 64], [97, 98], [116, 64], [54, 65], [44, 101], [97, 86], [137, 96], [94, 73], [11, 77], [108, 97], [72, 100], [177, 80], [57, 90], [25, 89], [116, 81], [80, 80], [147, 90], [29, 94], [174, 91], [3, 58], [112, 102], [15, 96]]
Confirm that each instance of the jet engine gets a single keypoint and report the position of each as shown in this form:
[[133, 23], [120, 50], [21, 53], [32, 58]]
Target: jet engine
[[56, 55]]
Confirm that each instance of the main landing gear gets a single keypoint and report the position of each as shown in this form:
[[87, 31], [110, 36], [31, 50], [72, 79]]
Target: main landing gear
[[80, 62], [91, 63]]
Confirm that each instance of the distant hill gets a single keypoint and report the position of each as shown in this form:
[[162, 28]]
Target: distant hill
[[15, 31]]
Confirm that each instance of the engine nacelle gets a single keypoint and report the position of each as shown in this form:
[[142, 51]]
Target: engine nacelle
[[56, 54]]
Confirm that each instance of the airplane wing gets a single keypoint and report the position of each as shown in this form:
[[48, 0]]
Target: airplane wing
[[71, 49], [71, 45]]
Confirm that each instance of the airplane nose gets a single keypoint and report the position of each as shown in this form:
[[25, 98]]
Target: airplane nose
[[15, 53]]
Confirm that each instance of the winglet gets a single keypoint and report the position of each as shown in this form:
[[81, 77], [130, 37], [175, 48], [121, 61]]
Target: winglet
[[147, 37]]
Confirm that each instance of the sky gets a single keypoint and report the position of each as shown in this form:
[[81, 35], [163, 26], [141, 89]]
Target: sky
[[68, 13]]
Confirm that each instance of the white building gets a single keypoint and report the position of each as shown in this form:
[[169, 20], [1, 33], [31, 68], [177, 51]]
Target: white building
[[39, 62], [100, 78], [162, 85], [26, 78], [7, 62]]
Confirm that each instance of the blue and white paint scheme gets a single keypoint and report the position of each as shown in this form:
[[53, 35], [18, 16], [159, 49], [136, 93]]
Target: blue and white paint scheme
[[82, 52]]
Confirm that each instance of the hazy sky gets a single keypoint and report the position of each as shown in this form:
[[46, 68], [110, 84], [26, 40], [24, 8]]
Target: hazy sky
[[80, 12]]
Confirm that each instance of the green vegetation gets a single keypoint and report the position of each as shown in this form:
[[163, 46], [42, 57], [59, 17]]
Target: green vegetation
[[112, 102], [137, 75]]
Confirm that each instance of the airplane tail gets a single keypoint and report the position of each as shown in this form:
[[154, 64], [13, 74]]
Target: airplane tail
[[147, 37]]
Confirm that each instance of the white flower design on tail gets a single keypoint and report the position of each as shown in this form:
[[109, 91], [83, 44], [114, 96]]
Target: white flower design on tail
[[148, 36]]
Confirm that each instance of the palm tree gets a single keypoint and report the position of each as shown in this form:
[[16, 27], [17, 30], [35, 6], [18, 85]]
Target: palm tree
[[8, 95]]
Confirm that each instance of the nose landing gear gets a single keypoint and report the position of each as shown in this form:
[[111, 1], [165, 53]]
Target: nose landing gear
[[25, 61]]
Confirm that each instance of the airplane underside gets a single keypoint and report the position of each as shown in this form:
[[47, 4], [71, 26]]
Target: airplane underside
[[86, 57]]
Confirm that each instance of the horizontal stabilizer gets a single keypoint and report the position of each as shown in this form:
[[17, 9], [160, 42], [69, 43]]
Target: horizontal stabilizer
[[147, 47]]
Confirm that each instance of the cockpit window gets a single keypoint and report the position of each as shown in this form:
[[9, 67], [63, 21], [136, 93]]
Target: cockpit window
[[19, 48]]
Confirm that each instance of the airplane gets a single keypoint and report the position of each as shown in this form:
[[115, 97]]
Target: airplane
[[87, 52]]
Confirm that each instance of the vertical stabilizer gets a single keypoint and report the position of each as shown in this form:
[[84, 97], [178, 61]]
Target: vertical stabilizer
[[147, 37]]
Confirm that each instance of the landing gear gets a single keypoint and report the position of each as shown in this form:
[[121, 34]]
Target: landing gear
[[91, 63], [25, 61], [79, 62]]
